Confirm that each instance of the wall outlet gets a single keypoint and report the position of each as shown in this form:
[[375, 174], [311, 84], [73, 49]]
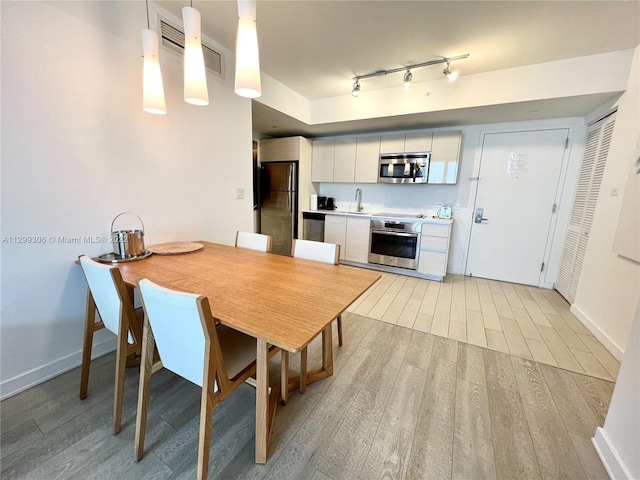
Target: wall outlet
[[239, 192], [615, 191], [439, 204]]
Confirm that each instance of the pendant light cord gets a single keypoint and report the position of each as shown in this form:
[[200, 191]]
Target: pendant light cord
[[148, 27]]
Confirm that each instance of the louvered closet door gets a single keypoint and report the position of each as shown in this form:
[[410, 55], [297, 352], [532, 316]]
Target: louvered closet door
[[584, 206]]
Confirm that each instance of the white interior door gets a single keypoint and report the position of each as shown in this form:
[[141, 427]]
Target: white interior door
[[517, 186]]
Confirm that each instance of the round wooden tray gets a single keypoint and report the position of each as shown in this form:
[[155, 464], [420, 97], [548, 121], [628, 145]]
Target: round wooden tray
[[175, 248]]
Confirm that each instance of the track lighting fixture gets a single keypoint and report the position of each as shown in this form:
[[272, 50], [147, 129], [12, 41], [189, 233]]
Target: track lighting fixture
[[450, 74], [408, 76], [355, 91], [406, 82]]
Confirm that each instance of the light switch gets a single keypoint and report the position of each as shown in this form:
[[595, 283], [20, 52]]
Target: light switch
[[239, 192]]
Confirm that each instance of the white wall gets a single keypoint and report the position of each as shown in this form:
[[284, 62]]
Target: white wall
[[609, 287], [617, 442], [422, 198], [77, 149]]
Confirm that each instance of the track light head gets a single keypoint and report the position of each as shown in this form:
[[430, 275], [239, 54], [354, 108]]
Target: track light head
[[355, 91], [406, 82], [450, 74]]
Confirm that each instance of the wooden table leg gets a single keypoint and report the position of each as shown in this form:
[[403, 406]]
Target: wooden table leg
[[262, 401], [327, 350]]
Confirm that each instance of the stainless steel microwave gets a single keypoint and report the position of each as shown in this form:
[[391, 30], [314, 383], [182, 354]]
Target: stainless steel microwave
[[403, 167]]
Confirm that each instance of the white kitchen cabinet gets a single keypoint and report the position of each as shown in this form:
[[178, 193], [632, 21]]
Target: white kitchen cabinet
[[445, 156], [323, 159], [367, 156], [434, 249], [392, 144], [409, 143], [280, 149], [357, 240], [335, 231], [418, 142], [344, 161]]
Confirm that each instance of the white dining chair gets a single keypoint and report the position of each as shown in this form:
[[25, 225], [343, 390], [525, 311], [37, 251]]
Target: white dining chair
[[113, 300], [217, 359], [253, 241], [319, 252]]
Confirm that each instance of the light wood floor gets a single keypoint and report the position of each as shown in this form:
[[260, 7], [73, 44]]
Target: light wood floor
[[528, 322], [402, 404]]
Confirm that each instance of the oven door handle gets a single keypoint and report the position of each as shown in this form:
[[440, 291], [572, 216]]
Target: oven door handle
[[397, 234]]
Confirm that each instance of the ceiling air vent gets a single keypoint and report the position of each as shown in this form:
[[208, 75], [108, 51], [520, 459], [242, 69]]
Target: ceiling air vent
[[173, 40]]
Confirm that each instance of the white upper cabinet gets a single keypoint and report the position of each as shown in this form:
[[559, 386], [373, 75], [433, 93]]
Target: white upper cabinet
[[322, 164], [279, 149], [409, 143], [355, 160], [344, 161], [445, 156], [367, 154], [392, 144], [418, 142]]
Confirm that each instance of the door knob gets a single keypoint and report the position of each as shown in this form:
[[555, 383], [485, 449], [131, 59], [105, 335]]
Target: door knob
[[478, 218]]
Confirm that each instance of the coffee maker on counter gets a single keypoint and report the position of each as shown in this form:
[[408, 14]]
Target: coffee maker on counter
[[326, 203]]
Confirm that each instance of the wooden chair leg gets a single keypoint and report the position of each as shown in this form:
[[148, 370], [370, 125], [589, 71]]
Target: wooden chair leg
[[303, 370], [206, 421], [284, 377], [118, 394], [89, 322], [146, 366], [340, 330]]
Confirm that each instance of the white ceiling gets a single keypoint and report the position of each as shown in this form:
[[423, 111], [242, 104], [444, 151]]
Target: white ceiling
[[317, 47]]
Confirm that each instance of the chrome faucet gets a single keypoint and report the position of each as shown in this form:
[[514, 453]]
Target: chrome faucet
[[359, 199]]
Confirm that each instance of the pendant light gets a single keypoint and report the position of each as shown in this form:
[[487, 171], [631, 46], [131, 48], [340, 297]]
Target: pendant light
[[195, 79], [152, 88], [247, 57]]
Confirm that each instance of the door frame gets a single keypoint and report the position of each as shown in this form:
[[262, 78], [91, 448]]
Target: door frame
[[567, 183]]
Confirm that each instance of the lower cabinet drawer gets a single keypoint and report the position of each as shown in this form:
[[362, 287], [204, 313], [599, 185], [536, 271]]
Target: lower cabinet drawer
[[434, 243], [435, 230], [432, 263]]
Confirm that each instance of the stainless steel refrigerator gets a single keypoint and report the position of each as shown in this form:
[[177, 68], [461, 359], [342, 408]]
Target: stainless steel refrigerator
[[279, 204]]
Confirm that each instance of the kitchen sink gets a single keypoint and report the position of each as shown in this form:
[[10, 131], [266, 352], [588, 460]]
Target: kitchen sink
[[353, 213]]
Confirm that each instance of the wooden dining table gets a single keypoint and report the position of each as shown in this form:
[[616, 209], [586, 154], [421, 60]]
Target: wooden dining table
[[281, 301]]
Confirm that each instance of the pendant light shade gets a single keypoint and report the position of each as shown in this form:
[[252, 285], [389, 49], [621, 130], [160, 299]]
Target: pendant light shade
[[195, 79], [247, 56], [152, 89]]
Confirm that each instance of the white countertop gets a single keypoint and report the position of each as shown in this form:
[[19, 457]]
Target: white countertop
[[390, 215]]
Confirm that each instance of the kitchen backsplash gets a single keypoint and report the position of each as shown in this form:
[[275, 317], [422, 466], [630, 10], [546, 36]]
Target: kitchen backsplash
[[389, 198]]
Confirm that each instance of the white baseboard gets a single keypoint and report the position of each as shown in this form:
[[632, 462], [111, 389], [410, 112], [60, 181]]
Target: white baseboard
[[43, 373], [613, 464], [609, 344]]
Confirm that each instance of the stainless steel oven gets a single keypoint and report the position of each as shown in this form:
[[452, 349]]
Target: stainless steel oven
[[395, 243]]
